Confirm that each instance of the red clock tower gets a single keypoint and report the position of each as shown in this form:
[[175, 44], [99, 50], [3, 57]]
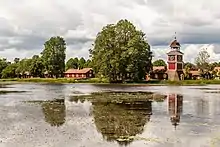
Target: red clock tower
[[175, 62]]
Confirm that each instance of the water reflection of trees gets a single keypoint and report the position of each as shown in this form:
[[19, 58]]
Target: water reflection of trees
[[119, 116], [116, 121], [54, 111]]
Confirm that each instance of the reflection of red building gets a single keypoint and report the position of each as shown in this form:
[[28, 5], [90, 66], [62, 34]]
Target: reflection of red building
[[175, 106]]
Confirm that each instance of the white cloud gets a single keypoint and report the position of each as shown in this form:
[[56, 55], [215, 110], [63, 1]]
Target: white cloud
[[26, 25]]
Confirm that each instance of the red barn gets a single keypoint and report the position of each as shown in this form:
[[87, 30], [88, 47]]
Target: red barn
[[84, 73]]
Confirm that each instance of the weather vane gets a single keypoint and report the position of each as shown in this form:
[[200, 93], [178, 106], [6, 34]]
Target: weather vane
[[175, 36]]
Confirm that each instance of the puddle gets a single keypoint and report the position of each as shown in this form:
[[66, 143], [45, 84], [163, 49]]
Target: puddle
[[54, 111]]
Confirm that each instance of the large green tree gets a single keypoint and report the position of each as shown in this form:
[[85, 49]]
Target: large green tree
[[159, 62], [120, 51], [54, 56], [202, 60]]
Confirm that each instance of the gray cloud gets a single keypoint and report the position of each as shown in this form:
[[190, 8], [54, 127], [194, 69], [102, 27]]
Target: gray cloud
[[217, 48]]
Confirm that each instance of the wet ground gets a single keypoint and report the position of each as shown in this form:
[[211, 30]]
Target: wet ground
[[85, 115]]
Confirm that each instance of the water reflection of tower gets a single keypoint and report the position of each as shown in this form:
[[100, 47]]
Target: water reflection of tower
[[175, 107]]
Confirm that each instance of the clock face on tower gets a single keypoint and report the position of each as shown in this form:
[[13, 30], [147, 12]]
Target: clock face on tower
[[179, 58], [171, 58]]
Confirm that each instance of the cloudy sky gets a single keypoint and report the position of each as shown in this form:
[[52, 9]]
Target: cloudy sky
[[26, 24]]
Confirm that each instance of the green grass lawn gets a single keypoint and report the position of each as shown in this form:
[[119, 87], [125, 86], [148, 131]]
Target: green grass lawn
[[54, 80], [98, 80]]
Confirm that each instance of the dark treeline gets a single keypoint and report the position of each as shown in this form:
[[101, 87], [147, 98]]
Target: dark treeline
[[35, 66], [50, 61]]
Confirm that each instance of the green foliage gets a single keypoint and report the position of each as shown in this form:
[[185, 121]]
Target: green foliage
[[88, 63], [202, 60], [16, 60], [189, 65], [120, 50], [57, 80], [23, 66], [3, 65], [213, 65], [82, 63], [159, 62], [37, 66], [187, 72], [72, 63], [78, 63], [10, 71], [54, 56]]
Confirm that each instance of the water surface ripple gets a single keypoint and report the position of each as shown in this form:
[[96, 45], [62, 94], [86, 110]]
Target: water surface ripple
[[54, 115]]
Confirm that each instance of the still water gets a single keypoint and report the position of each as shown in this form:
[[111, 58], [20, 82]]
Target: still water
[[67, 115]]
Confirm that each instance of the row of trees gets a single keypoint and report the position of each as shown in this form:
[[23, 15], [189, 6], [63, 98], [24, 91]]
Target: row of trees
[[120, 52], [34, 66], [51, 60]]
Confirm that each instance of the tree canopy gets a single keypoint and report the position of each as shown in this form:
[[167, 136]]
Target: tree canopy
[[54, 56], [3, 65], [159, 62], [190, 66], [37, 66], [121, 52], [202, 60], [76, 63]]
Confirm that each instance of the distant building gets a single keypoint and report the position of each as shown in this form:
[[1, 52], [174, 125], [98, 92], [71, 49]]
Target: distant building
[[26, 74], [84, 73], [217, 69], [175, 62], [159, 68], [159, 72]]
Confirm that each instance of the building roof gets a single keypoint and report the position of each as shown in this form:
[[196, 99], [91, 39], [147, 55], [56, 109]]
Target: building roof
[[195, 72], [78, 71], [27, 72], [175, 44], [175, 53], [159, 68], [217, 68], [46, 72]]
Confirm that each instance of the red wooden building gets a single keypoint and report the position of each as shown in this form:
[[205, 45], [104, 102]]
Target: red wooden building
[[84, 73]]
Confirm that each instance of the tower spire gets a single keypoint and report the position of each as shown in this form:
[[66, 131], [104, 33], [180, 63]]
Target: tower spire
[[175, 36]]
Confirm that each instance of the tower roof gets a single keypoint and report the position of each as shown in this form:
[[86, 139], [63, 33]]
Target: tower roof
[[175, 44], [174, 52]]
